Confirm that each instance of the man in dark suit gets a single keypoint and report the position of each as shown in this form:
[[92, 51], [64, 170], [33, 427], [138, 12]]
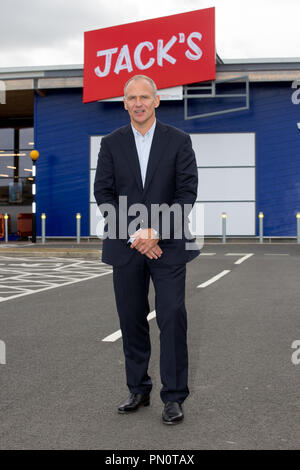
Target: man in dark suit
[[151, 165]]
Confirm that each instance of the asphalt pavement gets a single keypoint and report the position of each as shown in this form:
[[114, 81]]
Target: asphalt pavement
[[61, 383]]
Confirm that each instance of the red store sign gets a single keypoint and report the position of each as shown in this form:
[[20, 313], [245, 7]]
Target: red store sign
[[172, 50]]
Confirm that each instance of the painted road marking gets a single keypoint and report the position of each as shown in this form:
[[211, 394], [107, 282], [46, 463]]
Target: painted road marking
[[214, 279], [241, 260], [207, 254], [113, 337], [20, 277], [2, 352], [276, 254], [54, 286], [117, 334]]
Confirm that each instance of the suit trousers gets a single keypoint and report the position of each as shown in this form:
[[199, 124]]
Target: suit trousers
[[131, 285]]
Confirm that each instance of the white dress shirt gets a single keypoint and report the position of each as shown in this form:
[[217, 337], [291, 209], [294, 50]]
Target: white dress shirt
[[143, 145]]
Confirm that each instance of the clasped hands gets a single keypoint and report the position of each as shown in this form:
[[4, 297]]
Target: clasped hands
[[146, 243]]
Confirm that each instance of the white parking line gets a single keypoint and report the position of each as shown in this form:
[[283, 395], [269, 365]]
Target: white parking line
[[240, 260], [276, 254], [117, 334], [214, 279], [207, 254], [113, 337]]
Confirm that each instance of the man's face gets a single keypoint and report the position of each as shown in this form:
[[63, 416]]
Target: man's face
[[140, 102]]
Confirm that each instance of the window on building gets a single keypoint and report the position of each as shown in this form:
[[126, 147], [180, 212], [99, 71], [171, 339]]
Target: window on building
[[16, 166], [6, 139]]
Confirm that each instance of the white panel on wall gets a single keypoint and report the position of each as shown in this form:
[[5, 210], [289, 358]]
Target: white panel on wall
[[96, 221], [215, 184], [92, 179], [94, 149], [226, 184], [240, 218], [224, 149]]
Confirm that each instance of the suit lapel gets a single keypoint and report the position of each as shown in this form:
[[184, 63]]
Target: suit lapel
[[130, 151], [159, 143]]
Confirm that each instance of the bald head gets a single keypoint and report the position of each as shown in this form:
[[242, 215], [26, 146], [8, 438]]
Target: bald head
[[141, 77]]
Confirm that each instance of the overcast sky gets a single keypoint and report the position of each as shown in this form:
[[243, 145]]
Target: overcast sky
[[50, 32]]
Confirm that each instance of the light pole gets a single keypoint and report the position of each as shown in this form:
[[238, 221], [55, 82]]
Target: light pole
[[78, 220], [261, 227], [224, 219], [34, 155]]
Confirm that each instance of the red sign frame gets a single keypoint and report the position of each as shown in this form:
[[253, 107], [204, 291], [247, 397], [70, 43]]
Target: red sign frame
[[172, 50]]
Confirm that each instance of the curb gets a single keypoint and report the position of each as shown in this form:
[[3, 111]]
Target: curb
[[95, 254]]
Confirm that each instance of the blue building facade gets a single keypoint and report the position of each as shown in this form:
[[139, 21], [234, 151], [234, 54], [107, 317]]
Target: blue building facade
[[63, 126]]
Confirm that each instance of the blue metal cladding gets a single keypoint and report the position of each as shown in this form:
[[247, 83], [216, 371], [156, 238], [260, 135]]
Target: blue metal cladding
[[63, 126]]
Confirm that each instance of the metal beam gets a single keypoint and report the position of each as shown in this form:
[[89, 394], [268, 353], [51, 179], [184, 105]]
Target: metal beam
[[214, 95]]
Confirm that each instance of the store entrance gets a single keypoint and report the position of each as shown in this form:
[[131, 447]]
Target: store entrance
[[16, 181]]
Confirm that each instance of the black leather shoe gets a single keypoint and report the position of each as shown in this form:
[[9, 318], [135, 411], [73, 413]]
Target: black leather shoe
[[133, 402], [172, 413]]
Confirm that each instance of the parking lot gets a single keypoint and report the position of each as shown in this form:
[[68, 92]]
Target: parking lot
[[63, 375]]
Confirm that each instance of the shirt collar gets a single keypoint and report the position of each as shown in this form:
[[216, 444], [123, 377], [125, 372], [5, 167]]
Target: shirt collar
[[148, 133]]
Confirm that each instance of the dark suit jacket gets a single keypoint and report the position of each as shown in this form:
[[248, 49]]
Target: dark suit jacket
[[171, 177]]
